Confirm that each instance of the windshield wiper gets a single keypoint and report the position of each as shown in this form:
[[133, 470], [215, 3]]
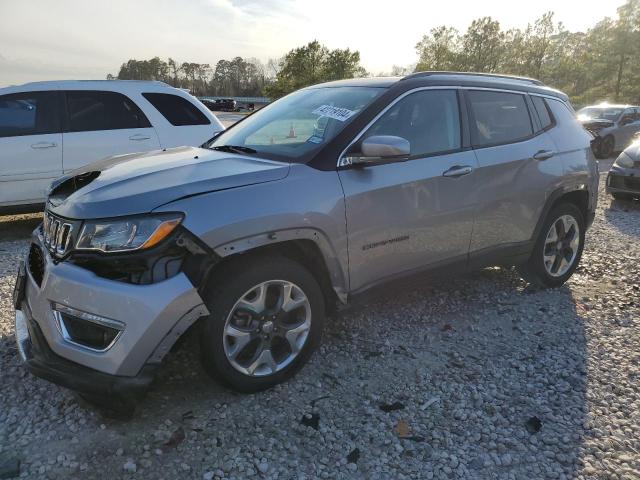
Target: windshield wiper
[[234, 149]]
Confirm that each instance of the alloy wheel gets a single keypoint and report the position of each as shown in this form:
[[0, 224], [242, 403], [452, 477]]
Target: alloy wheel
[[267, 328], [561, 245]]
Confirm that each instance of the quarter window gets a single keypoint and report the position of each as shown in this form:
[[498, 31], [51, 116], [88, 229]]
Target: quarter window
[[89, 111], [428, 119], [498, 117], [543, 111], [177, 110], [31, 113]]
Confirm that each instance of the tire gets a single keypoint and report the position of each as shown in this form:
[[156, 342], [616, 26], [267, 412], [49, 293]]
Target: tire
[[539, 272], [607, 147], [233, 298]]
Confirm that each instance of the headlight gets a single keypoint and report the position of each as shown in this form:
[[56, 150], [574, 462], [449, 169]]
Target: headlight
[[127, 233], [624, 161]]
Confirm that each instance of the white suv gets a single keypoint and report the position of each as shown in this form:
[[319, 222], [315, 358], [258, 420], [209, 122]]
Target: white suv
[[50, 128]]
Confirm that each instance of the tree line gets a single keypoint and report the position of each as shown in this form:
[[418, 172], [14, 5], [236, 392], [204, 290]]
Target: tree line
[[602, 63], [235, 77]]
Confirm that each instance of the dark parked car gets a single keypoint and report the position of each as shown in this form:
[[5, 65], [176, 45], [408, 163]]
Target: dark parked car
[[221, 105], [623, 181]]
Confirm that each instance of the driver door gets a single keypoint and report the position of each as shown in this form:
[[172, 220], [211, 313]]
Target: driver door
[[407, 215]]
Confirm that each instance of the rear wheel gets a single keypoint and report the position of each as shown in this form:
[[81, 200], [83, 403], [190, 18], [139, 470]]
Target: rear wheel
[[267, 316], [558, 249]]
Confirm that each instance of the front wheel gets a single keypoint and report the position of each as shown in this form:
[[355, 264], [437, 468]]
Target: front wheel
[[266, 319], [558, 248]]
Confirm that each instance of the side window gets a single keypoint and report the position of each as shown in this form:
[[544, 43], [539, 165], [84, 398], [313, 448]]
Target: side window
[[498, 117], [31, 113], [429, 119], [177, 110], [543, 111], [89, 111]]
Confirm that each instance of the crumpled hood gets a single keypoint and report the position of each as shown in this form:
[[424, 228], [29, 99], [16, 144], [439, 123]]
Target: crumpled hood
[[140, 182], [596, 124]]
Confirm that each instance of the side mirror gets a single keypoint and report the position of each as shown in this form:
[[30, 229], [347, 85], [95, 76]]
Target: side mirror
[[380, 148]]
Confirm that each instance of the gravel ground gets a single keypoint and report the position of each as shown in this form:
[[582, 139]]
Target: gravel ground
[[473, 377]]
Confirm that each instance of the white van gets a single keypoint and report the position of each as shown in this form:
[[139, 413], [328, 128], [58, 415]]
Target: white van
[[50, 128]]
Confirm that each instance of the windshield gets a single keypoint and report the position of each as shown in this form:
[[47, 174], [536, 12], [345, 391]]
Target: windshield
[[608, 113], [297, 125]]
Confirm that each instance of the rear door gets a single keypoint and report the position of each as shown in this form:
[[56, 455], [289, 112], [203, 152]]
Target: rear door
[[407, 215], [30, 146], [100, 124], [517, 168]]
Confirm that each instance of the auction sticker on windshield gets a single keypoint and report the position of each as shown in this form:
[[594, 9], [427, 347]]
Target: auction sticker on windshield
[[336, 113]]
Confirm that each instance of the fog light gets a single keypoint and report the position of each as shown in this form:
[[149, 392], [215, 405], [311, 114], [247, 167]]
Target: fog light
[[86, 329]]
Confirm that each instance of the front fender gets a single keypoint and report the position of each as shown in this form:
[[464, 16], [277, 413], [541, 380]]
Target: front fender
[[306, 205]]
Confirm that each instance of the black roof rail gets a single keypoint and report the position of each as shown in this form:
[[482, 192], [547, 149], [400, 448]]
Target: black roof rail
[[532, 81]]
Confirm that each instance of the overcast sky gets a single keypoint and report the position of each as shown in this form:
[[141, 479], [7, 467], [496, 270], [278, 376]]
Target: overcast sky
[[72, 39]]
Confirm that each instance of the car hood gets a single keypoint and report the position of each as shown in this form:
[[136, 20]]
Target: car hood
[[596, 123], [140, 182]]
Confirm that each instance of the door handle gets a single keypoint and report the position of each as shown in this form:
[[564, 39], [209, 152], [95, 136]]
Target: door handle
[[457, 171], [138, 137], [544, 155], [44, 145]]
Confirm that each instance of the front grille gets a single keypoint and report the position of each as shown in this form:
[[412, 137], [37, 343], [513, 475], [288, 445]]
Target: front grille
[[36, 263], [57, 234], [624, 183]]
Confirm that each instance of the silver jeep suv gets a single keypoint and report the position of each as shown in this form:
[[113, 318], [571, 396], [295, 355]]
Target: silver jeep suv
[[301, 206]]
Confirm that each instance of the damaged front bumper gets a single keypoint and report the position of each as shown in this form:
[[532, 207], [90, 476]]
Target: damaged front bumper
[[62, 309]]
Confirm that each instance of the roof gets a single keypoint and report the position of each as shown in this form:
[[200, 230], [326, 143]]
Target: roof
[[469, 79], [83, 85], [361, 82], [610, 105]]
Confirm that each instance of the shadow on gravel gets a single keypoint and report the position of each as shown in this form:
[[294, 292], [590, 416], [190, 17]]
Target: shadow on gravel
[[18, 227], [486, 371], [623, 215]]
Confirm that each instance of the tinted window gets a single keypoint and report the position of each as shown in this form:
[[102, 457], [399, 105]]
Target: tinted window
[[543, 112], [90, 111], [30, 113], [429, 119], [499, 117], [177, 110]]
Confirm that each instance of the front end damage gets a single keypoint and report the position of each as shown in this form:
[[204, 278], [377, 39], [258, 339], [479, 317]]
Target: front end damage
[[101, 323]]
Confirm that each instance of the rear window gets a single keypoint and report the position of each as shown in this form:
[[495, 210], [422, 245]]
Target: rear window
[[31, 113], [499, 117], [89, 111], [543, 112], [177, 110]]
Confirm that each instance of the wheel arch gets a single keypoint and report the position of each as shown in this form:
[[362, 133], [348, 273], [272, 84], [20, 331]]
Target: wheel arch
[[307, 246], [578, 196]]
